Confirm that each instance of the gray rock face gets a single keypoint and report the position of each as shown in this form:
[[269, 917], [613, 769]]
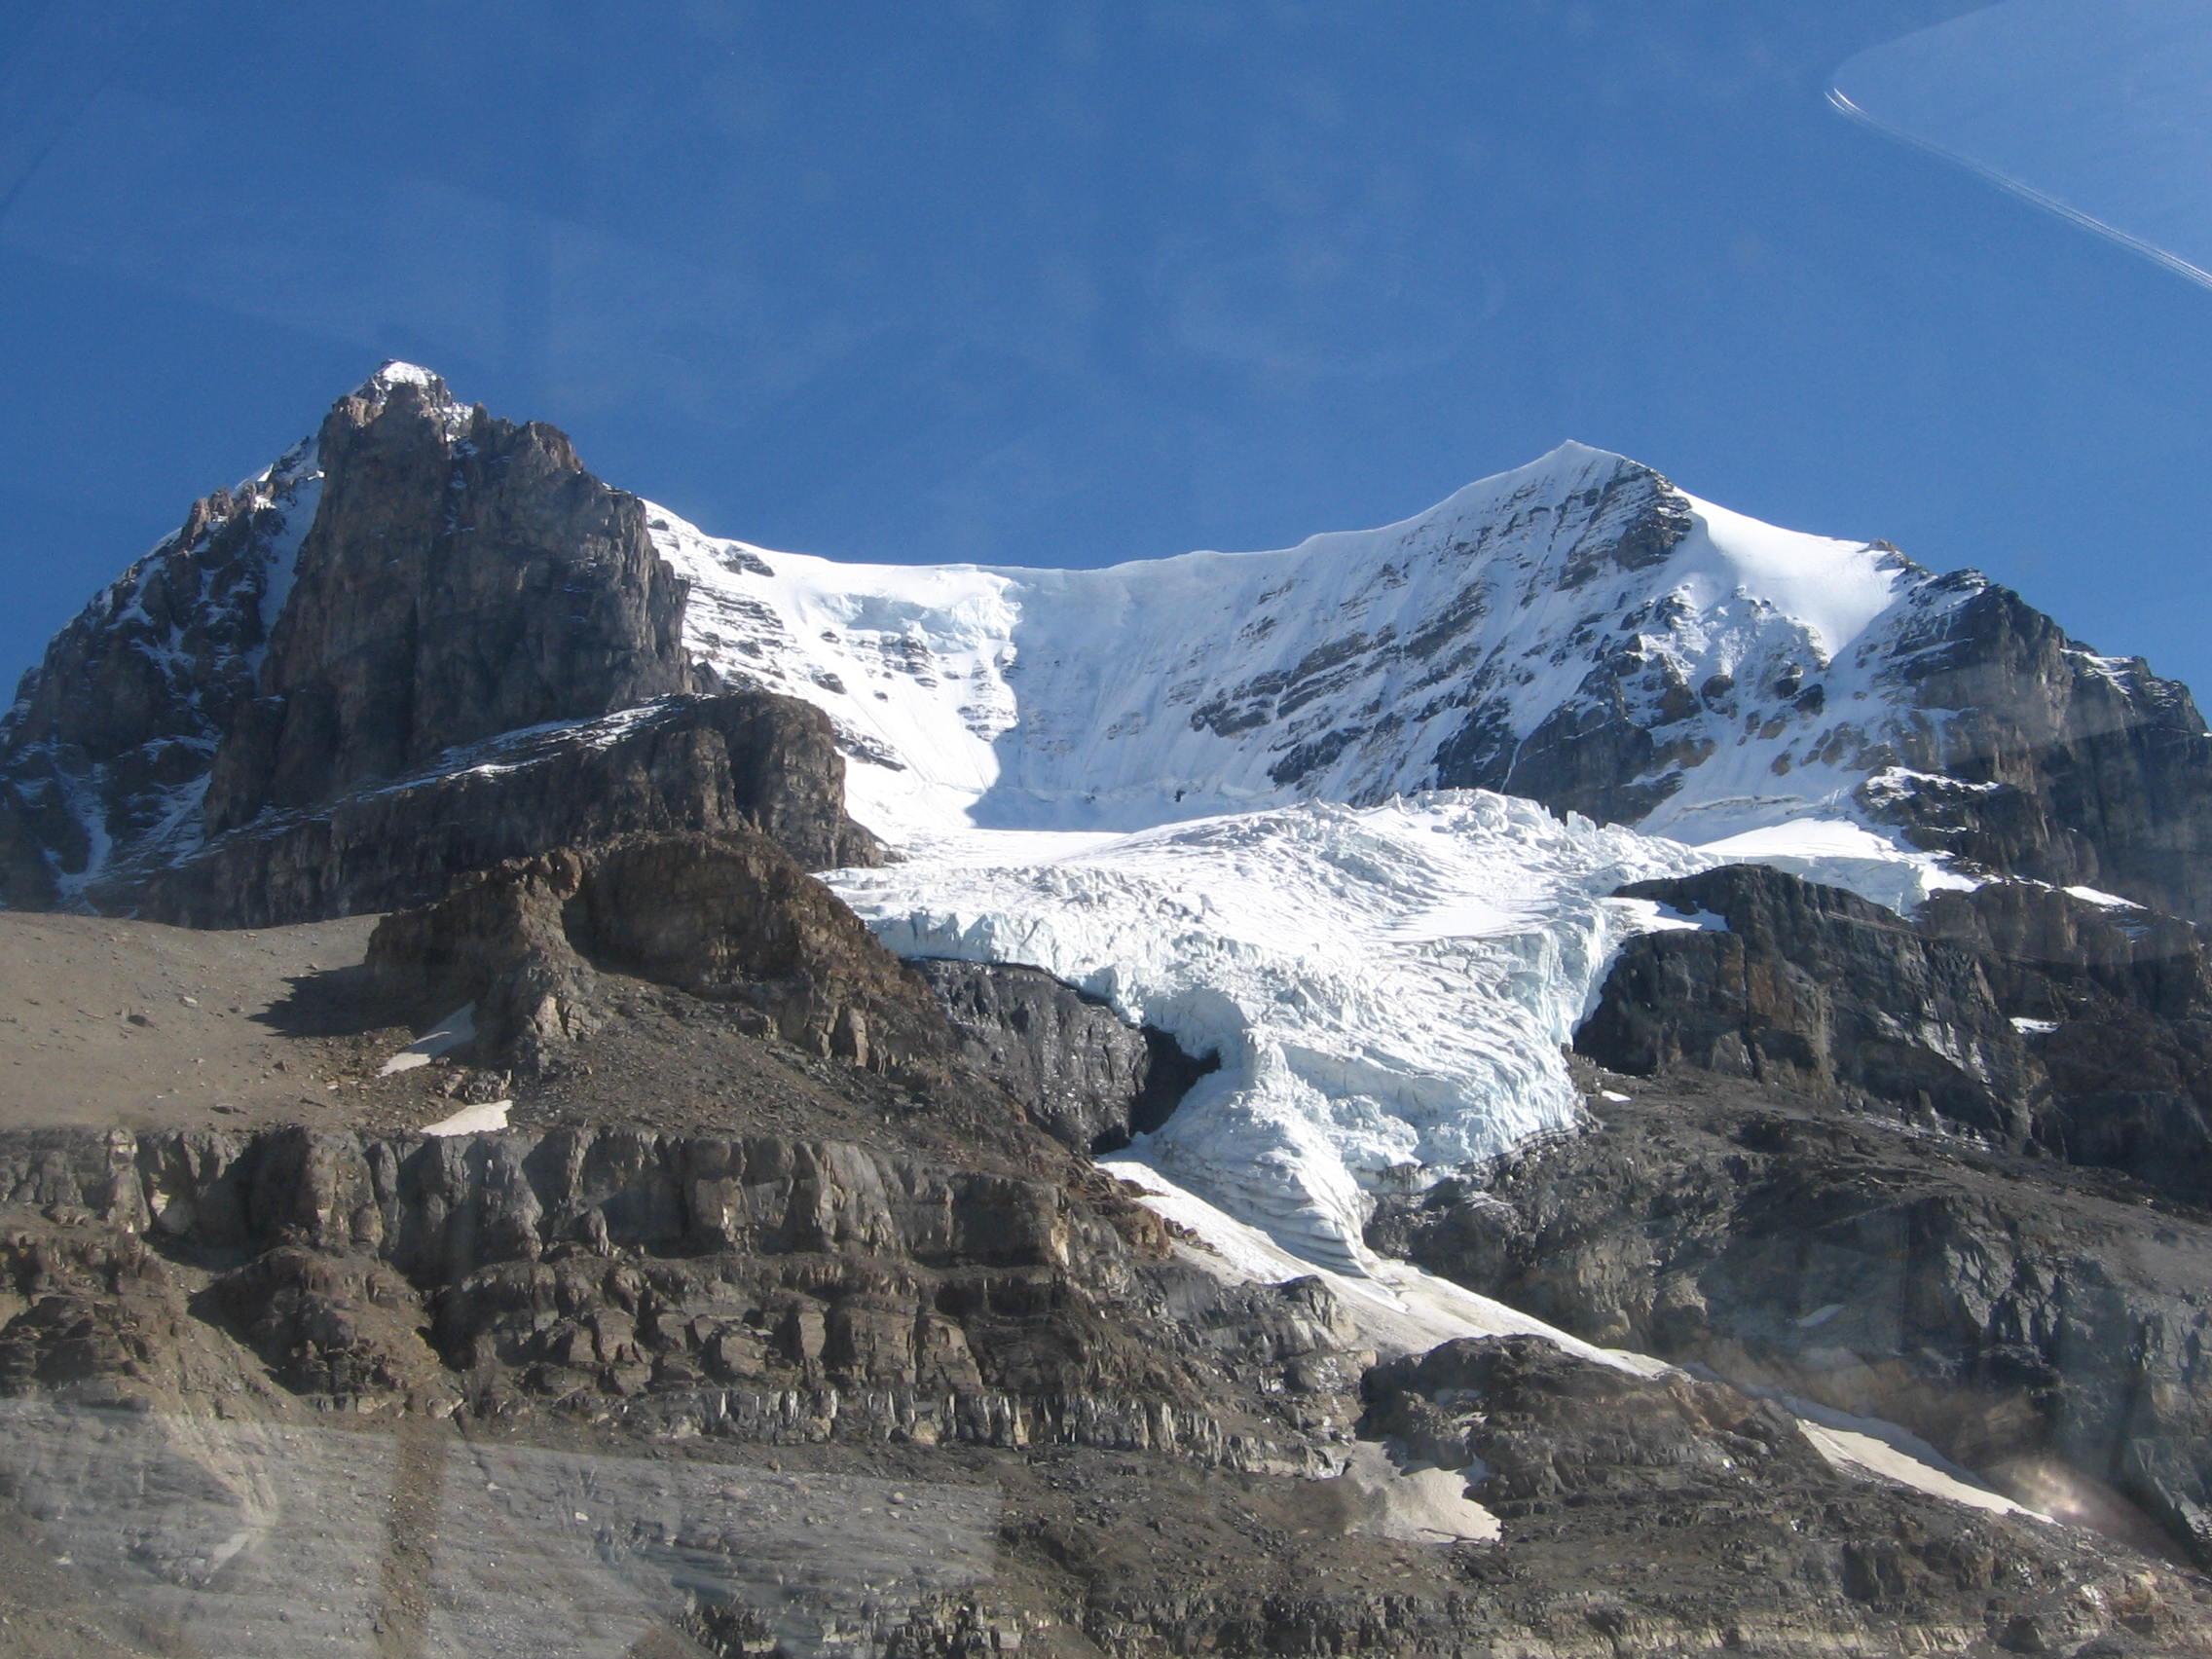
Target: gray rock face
[[2020, 1295], [751, 1287], [2031, 1018], [1813, 990], [1744, 1209], [2069, 767], [414, 649], [464, 578], [2030, 1322], [1086, 1076], [743, 761]]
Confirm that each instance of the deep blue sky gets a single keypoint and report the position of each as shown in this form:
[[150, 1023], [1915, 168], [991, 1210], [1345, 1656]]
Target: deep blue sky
[[1070, 283]]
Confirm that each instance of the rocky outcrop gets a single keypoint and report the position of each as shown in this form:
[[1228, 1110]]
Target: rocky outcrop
[[751, 1287], [1551, 1443], [2062, 765], [2031, 1321], [740, 760], [1013, 1356], [2012, 1292], [2116, 1006], [464, 578], [1812, 989], [1086, 1076], [2024, 1014], [730, 917]]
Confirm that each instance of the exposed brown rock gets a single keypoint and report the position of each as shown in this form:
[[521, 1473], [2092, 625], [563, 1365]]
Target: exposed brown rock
[[728, 916]]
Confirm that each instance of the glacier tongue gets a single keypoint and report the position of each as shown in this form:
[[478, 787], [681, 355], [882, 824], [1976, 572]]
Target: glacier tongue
[[1388, 988]]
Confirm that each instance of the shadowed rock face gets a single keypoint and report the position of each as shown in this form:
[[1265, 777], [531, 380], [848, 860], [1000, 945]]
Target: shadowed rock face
[[2024, 1014], [2044, 1327], [1817, 990], [1086, 1076], [1791, 1200], [1545, 1425], [2070, 768]]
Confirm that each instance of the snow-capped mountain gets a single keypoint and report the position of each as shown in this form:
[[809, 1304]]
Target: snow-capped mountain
[[1578, 631], [1237, 794], [1580, 596], [1332, 889]]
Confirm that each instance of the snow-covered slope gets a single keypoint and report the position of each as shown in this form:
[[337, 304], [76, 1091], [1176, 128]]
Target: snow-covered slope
[[108, 743], [1577, 630], [1388, 988]]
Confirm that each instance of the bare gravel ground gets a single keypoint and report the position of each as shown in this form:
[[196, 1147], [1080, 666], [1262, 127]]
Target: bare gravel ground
[[141, 1026]]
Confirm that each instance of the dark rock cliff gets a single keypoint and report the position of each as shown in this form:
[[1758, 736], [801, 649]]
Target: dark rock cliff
[[2066, 767], [2044, 1327], [2029, 1016], [412, 649], [1814, 989], [1850, 1174], [1086, 1076]]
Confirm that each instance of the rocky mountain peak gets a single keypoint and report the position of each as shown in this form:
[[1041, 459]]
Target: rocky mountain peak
[[419, 578], [460, 581]]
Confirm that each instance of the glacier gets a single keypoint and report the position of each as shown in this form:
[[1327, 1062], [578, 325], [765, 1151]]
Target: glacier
[[1258, 798], [1388, 988]]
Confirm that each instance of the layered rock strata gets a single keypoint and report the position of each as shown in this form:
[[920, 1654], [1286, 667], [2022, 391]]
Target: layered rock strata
[[738, 762], [618, 1320], [1948, 1174]]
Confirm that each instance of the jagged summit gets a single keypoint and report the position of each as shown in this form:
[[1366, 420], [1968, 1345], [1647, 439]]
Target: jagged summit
[[393, 372]]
